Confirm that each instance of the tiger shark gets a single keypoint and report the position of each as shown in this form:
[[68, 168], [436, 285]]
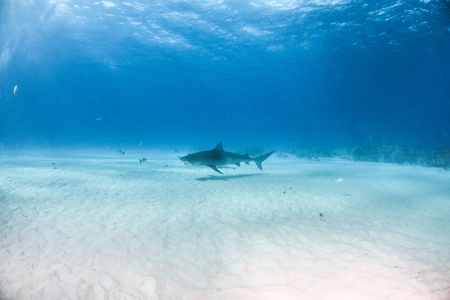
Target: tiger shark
[[217, 157]]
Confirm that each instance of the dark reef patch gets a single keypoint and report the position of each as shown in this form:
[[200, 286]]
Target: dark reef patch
[[438, 157]]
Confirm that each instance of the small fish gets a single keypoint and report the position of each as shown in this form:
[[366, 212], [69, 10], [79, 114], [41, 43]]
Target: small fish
[[142, 160], [15, 90], [121, 152], [101, 118], [339, 180]]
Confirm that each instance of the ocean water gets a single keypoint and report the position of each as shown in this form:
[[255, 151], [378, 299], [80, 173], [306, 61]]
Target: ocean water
[[275, 74], [354, 96]]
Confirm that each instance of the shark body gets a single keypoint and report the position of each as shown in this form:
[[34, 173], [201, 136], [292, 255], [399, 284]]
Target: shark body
[[217, 157]]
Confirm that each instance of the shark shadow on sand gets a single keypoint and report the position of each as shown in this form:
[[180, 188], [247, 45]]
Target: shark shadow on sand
[[226, 178]]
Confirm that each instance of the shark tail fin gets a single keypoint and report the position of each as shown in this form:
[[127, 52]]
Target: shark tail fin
[[260, 159]]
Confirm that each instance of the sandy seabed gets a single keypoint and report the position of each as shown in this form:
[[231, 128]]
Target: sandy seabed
[[101, 226]]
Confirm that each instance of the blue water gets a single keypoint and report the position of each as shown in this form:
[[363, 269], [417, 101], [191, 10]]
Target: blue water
[[270, 74]]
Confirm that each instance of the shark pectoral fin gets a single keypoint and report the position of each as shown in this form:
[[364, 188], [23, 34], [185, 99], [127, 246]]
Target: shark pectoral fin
[[238, 164], [214, 168]]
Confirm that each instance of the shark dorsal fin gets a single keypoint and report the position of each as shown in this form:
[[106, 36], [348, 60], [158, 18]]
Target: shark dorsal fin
[[219, 147]]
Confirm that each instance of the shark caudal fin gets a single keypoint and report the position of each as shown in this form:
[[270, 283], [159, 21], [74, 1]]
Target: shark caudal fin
[[260, 159]]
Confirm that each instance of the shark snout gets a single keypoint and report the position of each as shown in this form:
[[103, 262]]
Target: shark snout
[[185, 159]]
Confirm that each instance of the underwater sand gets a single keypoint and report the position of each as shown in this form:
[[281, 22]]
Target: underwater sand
[[103, 226]]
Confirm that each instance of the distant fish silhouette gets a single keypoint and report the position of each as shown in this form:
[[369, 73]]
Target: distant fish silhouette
[[15, 90], [121, 152], [101, 118], [218, 157], [141, 161]]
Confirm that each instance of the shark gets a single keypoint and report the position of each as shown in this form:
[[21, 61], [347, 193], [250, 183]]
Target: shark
[[217, 157]]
